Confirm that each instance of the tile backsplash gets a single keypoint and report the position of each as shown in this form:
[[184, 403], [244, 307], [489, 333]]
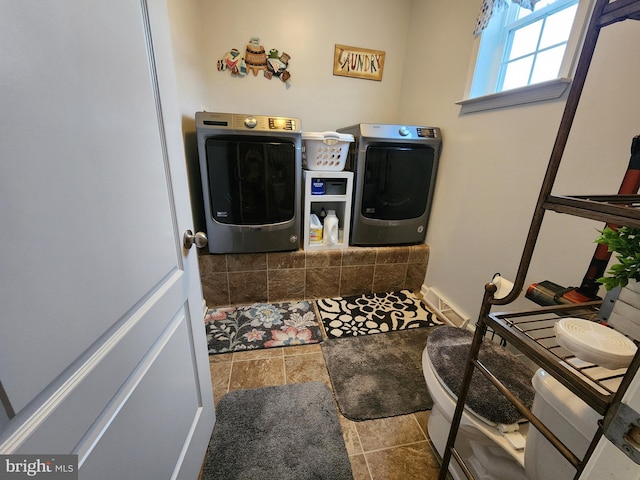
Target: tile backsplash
[[235, 279]]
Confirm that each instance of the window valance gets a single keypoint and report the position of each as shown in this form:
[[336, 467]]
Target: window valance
[[489, 7]]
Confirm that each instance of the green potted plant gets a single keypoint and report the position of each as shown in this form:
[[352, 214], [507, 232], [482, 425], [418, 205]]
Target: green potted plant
[[625, 243]]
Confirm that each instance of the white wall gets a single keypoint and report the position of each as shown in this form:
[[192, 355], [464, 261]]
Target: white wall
[[188, 52], [493, 162], [307, 30]]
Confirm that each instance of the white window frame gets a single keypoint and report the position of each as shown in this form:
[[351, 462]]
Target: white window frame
[[476, 101]]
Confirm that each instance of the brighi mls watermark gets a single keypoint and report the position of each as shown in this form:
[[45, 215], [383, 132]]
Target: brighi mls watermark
[[39, 467]]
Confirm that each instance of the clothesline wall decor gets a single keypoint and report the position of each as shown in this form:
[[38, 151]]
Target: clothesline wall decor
[[255, 60]]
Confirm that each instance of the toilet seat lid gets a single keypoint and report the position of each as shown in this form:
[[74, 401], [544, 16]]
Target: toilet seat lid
[[448, 349], [595, 343]]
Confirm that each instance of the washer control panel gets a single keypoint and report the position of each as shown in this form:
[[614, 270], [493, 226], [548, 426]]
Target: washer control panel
[[235, 121]]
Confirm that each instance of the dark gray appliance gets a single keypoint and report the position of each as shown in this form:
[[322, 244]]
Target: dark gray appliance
[[394, 174], [251, 170]]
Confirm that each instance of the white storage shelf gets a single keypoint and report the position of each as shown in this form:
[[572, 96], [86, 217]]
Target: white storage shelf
[[340, 203]]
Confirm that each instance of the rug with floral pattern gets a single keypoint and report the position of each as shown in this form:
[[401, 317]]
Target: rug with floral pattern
[[261, 325]]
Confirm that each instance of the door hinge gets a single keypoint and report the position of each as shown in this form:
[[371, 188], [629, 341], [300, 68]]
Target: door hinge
[[622, 428]]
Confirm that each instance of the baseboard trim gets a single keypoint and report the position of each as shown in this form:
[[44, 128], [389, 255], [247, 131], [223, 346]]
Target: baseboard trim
[[444, 308]]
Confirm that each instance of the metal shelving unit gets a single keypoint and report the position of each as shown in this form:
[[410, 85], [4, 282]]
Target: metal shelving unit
[[531, 331]]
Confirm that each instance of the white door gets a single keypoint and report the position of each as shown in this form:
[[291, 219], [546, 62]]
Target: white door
[[607, 461], [102, 349]]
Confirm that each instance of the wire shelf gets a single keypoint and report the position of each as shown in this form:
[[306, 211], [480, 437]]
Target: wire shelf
[[533, 329]]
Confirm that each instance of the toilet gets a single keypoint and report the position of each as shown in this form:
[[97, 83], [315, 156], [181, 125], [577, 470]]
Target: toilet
[[491, 449]]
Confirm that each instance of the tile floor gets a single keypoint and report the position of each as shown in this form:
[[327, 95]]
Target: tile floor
[[384, 449]]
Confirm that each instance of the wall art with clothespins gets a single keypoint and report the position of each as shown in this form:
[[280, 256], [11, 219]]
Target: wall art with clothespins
[[255, 59]]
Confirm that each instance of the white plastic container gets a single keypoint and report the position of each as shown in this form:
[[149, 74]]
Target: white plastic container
[[315, 229], [595, 343], [326, 151], [571, 420], [625, 316], [331, 233]]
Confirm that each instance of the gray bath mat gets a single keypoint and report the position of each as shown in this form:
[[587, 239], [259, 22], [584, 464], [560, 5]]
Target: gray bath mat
[[288, 432], [378, 376]]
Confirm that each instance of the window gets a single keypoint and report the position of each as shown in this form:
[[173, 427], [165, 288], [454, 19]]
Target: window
[[536, 42], [520, 48]]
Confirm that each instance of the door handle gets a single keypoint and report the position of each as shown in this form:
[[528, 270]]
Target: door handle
[[189, 238]]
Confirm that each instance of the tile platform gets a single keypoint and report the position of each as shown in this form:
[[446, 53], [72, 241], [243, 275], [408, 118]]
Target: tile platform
[[235, 279]]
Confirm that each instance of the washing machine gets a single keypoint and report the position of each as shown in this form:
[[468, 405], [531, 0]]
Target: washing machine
[[251, 175]]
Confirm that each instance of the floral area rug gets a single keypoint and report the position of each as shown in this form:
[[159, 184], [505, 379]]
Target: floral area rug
[[373, 313], [261, 325]]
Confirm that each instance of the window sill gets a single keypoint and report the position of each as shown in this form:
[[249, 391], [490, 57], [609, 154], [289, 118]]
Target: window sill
[[549, 90]]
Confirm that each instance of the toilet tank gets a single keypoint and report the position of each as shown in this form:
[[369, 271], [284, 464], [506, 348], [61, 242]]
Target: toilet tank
[[568, 417]]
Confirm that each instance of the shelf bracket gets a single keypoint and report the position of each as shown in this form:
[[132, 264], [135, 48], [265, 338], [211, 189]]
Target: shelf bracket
[[622, 428]]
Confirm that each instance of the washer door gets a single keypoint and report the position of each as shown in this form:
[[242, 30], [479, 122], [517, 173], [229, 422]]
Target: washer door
[[252, 181]]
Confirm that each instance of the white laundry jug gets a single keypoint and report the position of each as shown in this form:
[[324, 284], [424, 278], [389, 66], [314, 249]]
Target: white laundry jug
[[330, 233]]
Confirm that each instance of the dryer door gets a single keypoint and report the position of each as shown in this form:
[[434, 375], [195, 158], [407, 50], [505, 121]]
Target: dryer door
[[397, 179]]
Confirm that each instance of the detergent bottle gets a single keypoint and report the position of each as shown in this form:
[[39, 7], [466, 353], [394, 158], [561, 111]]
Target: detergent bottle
[[331, 228], [315, 229]]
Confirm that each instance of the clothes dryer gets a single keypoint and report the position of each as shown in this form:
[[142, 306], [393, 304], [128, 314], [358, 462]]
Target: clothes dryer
[[395, 170]]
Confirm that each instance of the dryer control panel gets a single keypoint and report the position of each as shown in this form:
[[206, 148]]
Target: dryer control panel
[[427, 132]]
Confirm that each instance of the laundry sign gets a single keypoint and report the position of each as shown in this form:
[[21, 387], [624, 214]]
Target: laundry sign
[[358, 62]]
